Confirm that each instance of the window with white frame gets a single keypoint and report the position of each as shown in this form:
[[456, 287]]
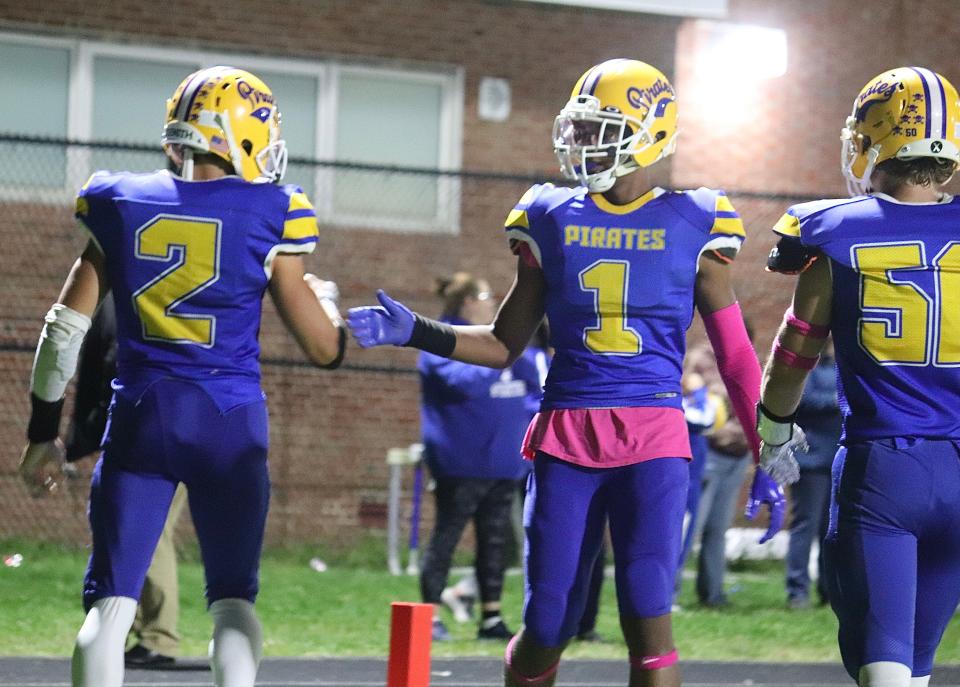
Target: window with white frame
[[90, 91], [393, 118], [35, 81]]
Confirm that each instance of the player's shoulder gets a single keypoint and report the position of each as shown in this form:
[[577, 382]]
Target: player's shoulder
[[107, 184], [542, 198], [537, 202], [803, 220], [702, 206]]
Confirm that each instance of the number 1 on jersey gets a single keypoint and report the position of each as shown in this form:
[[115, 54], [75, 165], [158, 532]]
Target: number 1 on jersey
[[193, 244], [608, 280]]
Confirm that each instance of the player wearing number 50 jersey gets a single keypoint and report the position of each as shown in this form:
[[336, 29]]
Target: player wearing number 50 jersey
[[616, 264], [188, 257], [882, 271]]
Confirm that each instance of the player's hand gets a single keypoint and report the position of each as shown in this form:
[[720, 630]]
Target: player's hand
[[780, 461], [391, 322], [765, 490], [780, 441], [324, 290], [41, 467]]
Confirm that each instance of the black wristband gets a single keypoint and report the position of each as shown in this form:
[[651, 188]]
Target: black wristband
[[776, 418], [44, 420], [432, 336], [341, 349]]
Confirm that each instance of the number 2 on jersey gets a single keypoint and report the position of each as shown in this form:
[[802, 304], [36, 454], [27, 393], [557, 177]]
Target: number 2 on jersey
[[901, 324], [193, 243], [608, 280]]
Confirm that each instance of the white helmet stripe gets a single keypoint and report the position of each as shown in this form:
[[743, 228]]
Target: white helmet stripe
[[936, 124]]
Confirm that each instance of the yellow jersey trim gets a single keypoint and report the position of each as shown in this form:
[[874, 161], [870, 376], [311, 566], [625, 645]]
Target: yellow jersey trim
[[603, 204], [788, 226]]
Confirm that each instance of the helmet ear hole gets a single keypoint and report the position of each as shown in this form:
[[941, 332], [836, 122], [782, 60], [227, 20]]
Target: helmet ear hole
[[247, 146], [660, 136], [865, 146]]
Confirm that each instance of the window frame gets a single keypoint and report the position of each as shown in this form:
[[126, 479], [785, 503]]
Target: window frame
[[80, 102]]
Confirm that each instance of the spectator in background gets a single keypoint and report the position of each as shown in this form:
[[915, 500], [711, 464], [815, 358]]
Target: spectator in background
[[727, 460], [819, 416], [704, 412], [154, 631], [473, 422]]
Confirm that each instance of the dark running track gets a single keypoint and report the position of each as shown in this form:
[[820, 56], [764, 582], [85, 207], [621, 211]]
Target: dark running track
[[450, 672]]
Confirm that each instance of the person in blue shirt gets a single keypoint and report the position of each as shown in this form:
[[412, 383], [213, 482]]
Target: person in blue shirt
[[818, 415], [473, 420], [880, 271], [188, 256]]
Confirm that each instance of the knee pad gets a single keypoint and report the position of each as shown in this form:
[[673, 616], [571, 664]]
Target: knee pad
[[884, 674], [654, 662], [98, 654], [237, 644], [523, 679]]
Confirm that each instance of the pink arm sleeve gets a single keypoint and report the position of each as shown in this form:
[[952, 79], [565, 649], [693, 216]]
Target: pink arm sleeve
[[738, 366]]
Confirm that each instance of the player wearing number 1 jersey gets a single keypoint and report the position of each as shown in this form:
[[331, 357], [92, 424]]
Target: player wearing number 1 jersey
[[882, 271], [616, 264], [188, 257]]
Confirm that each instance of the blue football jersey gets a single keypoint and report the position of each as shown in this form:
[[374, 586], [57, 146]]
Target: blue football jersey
[[188, 263], [896, 310], [620, 287]]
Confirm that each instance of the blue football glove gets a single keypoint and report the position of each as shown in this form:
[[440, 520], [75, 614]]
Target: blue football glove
[[390, 323], [766, 490]]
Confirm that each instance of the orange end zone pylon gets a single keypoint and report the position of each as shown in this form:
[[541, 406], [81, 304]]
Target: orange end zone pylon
[[411, 628]]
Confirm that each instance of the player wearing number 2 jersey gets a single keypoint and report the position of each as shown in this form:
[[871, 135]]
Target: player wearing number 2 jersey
[[188, 257], [882, 271], [616, 264]]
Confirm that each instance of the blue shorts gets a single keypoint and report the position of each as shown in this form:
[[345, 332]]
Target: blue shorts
[[175, 433], [565, 511], [893, 549]]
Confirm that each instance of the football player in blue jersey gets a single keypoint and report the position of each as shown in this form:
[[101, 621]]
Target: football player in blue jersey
[[188, 257], [616, 264], [881, 271]]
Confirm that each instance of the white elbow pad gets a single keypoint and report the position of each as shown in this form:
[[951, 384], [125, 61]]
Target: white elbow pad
[[57, 352]]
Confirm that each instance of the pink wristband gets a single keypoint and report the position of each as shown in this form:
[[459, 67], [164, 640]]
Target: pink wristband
[[791, 359], [655, 662], [804, 328]]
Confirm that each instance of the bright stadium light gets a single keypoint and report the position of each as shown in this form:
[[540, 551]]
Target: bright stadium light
[[741, 52]]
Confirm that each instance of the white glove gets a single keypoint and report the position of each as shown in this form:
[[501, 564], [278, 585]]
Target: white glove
[[322, 289], [780, 442]]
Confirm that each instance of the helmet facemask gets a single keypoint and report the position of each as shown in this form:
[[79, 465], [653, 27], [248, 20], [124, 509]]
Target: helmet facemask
[[596, 146], [853, 145]]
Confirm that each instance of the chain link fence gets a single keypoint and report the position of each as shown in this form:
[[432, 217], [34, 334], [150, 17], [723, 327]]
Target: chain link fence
[[381, 226]]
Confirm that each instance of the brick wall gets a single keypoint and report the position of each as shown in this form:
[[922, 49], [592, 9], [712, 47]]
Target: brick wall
[[330, 430]]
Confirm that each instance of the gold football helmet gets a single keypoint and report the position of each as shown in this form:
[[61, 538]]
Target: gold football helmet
[[904, 113], [622, 115], [229, 113]]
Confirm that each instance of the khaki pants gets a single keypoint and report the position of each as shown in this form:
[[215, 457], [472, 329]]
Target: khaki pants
[[155, 626]]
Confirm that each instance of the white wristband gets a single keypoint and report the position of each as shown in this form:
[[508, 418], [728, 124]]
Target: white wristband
[[773, 432]]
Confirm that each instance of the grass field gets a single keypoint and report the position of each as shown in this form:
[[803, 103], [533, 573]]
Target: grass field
[[345, 612]]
